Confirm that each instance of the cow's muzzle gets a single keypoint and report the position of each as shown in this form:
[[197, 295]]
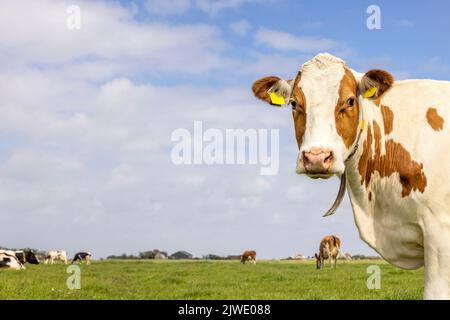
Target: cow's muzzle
[[317, 162]]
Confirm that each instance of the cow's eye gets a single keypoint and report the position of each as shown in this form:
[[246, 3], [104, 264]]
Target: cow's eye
[[293, 105], [351, 102], [297, 107]]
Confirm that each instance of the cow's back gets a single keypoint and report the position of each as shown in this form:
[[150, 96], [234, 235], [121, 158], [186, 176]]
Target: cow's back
[[421, 116]]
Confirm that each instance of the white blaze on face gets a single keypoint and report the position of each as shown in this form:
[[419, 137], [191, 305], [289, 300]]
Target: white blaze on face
[[320, 82]]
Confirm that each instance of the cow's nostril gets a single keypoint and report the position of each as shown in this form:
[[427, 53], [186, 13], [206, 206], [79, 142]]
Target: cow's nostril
[[329, 158], [305, 157]]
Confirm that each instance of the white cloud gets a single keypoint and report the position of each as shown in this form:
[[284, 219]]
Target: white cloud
[[275, 64], [212, 7], [167, 7], [78, 172], [241, 27], [109, 36], [86, 140], [284, 41]]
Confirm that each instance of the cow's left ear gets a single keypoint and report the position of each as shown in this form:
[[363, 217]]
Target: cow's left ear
[[375, 83]]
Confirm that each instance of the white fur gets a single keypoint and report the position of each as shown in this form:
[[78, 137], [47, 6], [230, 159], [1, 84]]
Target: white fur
[[56, 255], [320, 82]]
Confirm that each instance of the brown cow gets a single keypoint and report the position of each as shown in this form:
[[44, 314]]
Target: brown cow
[[248, 255], [329, 248]]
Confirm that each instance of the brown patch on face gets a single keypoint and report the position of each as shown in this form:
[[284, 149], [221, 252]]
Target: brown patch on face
[[370, 195], [299, 112], [346, 116], [434, 119], [388, 119], [396, 160]]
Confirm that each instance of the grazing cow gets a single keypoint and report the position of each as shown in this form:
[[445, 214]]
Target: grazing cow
[[56, 255], [9, 260], [329, 248], [26, 256], [80, 256], [388, 143], [248, 255]]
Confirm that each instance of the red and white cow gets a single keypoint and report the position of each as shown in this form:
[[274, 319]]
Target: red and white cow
[[248, 255], [388, 142], [328, 249]]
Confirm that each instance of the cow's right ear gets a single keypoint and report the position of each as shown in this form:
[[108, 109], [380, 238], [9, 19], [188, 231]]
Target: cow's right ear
[[315, 255], [273, 90]]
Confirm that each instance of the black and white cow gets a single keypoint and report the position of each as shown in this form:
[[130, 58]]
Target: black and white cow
[[9, 260], [27, 256], [80, 256]]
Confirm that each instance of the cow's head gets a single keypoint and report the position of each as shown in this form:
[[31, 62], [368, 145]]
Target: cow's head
[[325, 97], [318, 261], [31, 257]]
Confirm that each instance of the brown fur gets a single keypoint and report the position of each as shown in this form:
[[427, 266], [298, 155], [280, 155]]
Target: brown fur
[[248, 255], [261, 87], [380, 79], [396, 160], [299, 113], [434, 119], [388, 119], [332, 242], [347, 121], [334, 245]]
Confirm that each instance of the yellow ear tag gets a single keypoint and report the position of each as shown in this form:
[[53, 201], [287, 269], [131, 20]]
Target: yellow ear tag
[[276, 99], [370, 92]]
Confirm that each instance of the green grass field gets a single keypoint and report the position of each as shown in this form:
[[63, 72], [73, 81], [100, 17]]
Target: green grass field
[[156, 279]]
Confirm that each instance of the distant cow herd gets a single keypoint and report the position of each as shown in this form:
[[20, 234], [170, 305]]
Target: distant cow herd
[[16, 260], [329, 248]]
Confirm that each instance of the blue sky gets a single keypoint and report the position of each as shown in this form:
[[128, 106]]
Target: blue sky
[[412, 34], [87, 117]]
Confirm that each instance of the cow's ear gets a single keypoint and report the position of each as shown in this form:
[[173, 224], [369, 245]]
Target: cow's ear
[[273, 90], [375, 83], [315, 255]]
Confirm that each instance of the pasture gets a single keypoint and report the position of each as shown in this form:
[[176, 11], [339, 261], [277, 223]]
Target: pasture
[[163, 279]]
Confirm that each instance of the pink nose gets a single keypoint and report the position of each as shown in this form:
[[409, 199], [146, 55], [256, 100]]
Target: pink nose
[[317, 160]]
